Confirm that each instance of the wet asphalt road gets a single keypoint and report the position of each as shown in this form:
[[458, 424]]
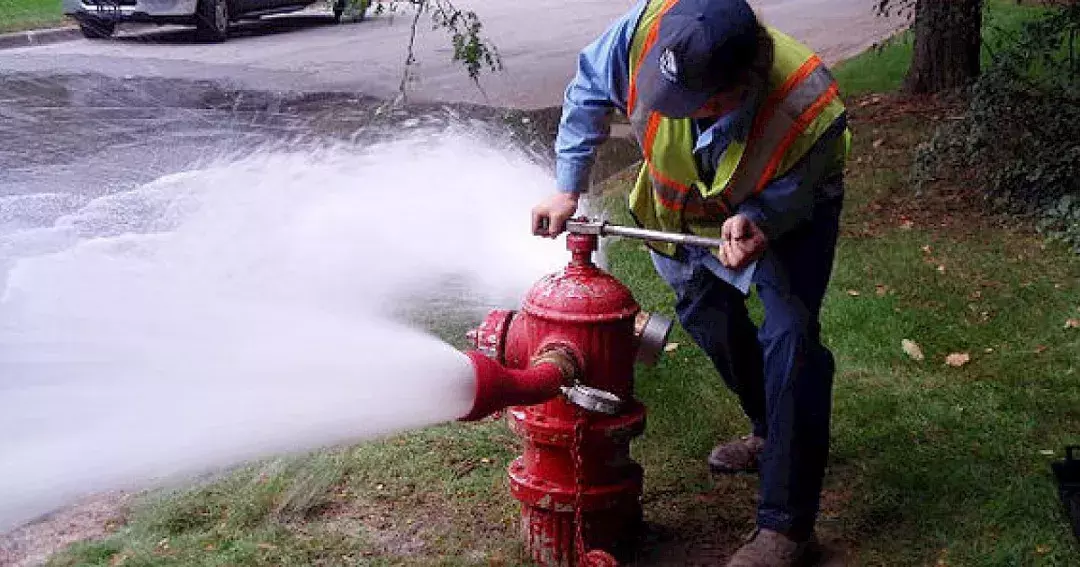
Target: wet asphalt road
[[93, 117], [538, 41]]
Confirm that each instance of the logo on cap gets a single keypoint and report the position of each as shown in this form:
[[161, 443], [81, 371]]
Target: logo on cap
[[669, 65]]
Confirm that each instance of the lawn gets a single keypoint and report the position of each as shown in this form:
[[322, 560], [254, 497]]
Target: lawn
[[29, 14], [931, 463], [882, 68]]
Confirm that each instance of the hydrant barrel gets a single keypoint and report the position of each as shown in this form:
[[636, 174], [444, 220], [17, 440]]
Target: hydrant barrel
[[578, 487]]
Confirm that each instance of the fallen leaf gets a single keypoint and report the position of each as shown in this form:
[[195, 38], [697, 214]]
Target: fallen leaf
[[1047, 452], [912, 349], [941, 268], [1072, 323], [881, 289], [266, 546], [907, 224], [878, 142], [670, 347], [958, 359], [378, 487], [1040, 349], [1042, 549], [927, 249], [976, 294], [485, 460], [988, 350], [853, 292]]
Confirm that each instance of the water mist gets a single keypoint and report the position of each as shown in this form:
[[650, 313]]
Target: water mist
[[247, 308]]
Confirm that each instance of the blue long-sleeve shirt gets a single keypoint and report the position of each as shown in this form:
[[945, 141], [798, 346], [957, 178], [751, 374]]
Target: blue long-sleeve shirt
[[600, 87]]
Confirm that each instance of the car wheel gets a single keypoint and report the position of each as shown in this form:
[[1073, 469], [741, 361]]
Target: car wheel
[[93, 28], [212, 20]]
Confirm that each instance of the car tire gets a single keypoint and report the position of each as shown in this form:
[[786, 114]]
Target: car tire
[[93, 28], [212, 19], [360, 10]]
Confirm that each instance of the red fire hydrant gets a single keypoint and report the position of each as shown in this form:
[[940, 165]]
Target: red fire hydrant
[[570, 351]]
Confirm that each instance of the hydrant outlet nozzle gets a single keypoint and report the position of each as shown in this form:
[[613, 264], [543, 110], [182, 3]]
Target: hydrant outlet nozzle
[[498, 387]]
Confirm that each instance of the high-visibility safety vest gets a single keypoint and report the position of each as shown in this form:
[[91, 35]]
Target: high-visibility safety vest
[[801, 104]]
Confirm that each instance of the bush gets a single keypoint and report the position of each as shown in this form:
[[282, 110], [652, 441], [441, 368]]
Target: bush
[[1020, 135]]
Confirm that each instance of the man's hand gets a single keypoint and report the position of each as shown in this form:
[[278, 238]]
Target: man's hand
[[550, 216], [743, 242]]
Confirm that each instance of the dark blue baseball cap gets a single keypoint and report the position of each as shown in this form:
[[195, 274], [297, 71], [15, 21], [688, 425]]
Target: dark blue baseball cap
[[703, 47]]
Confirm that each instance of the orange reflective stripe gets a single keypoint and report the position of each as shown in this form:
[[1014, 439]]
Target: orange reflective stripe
[[796, 130], [673, 201], [651, 127], [776, 98], [650, 41]]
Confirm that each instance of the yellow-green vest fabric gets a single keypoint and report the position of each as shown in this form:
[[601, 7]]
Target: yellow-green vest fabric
[[798, 104]]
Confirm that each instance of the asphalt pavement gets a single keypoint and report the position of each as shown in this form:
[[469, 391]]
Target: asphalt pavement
[[307, 52]]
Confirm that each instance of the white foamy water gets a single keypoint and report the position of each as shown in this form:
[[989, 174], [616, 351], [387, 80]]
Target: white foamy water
[[247, 309]]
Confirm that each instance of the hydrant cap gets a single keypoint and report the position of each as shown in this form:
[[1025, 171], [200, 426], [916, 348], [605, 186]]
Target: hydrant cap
[[581, 294]]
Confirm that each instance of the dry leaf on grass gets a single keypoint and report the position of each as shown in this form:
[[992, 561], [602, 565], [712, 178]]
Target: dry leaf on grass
[[958, 359], [1047, 452], [1072, 323], [1040, 349], [1042, 549], [907, 224], [881, 289], [912, 349], [670, 347], [941, 268], [853, 292], [927, 249], [878, 142]]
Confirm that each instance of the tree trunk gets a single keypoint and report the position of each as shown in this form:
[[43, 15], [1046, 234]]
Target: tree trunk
[[948, 34]]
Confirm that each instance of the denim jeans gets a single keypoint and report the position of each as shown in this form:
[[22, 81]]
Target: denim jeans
[[781, 372]]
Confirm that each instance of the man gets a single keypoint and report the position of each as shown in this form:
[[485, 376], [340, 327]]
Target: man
[[743, 137]]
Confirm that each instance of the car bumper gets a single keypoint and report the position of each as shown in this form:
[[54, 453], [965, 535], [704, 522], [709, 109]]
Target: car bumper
[[131, 10]]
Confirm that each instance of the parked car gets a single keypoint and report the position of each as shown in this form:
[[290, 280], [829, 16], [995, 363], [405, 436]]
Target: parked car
[[98, 18]]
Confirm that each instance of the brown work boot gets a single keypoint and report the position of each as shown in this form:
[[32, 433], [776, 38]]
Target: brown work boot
[[738, 456], [767, 548]]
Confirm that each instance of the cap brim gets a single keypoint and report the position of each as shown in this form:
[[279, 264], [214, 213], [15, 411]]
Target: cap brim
[[657, 93]]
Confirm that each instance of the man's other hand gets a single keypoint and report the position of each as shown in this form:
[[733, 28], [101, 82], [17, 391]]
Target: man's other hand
[[743, 242], [550, 216]]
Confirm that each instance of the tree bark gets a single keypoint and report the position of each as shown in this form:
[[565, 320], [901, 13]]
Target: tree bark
[[948, 35]]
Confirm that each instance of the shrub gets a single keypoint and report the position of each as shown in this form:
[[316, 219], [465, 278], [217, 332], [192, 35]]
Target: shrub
[[1020, 136]]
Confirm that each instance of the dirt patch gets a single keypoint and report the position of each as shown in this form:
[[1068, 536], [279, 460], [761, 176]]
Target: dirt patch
[[90, 519], [887, 128]]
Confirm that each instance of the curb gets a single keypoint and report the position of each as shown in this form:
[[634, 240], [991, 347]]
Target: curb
[[31, 38]]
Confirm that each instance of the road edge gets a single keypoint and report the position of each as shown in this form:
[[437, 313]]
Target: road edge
[[31, 38]]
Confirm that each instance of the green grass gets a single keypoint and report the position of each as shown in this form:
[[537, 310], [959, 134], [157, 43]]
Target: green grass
[[882, 69], [28, 14]]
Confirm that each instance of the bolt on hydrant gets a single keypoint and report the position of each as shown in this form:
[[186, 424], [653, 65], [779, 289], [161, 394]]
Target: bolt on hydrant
[[564, 365]]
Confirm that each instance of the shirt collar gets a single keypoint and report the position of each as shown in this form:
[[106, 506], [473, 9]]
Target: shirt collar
[[734, 125]]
